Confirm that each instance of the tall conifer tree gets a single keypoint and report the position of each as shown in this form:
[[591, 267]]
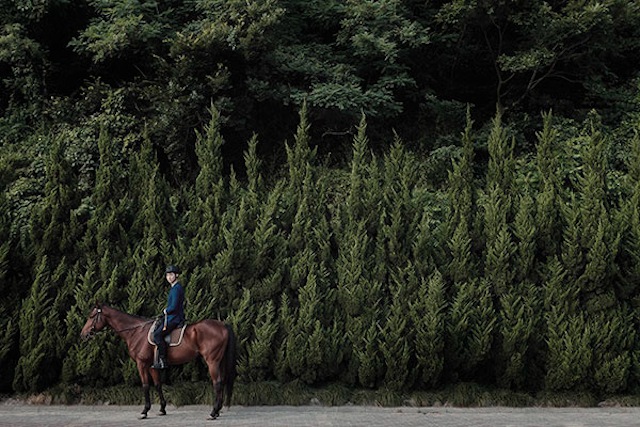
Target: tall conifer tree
[[548, 221], [39, 334], [427, 313]]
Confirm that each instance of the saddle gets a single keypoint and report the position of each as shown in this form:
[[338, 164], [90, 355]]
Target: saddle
[[174, 339]]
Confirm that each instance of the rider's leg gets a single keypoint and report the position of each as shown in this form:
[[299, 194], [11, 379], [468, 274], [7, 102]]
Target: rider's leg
[[158, 338]]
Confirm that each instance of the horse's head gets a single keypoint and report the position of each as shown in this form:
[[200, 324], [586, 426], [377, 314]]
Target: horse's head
[[95, 322]]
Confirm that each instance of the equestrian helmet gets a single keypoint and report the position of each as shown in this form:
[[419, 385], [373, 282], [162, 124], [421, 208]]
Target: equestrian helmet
[[172, 269]]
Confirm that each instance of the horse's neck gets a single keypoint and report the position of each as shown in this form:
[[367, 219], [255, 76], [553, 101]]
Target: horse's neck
[[122, 322]]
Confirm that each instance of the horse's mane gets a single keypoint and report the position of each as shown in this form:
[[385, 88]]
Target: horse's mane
[[116, 308]]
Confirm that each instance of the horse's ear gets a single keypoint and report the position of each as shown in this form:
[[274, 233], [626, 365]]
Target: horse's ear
[[98, 305]]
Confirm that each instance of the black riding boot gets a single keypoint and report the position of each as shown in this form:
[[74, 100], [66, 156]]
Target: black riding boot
[[161, 363]]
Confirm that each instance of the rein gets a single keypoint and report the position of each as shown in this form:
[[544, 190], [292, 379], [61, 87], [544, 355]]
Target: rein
[[96, 317], [134, 327]]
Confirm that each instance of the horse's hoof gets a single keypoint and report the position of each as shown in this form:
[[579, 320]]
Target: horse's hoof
[[142, 416], [213, 417], [161, 413]]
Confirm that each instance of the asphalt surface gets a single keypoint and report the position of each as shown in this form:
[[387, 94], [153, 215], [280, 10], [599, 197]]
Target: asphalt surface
[[21, 415]]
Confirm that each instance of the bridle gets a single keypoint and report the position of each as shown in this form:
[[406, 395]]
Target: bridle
[[96, 319]]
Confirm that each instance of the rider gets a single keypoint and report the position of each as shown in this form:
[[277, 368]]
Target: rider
[[173, 315]]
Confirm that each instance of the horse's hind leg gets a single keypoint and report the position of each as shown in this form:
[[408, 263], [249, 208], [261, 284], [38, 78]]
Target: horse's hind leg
[[157, 380], [217, 387]]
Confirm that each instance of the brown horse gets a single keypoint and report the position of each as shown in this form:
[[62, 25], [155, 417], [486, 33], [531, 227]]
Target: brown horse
[[211, 339]]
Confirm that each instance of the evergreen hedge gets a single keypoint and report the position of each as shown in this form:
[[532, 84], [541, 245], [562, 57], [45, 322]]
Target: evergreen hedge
[[522, 272]]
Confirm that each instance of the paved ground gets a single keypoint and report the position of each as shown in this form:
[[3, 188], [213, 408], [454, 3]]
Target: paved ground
[[21, 415]]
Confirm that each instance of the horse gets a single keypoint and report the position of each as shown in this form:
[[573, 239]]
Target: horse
[[212, 339]]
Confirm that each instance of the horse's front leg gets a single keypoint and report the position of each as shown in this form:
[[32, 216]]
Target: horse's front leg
[[147, 401], [157, 380], [144, 377]]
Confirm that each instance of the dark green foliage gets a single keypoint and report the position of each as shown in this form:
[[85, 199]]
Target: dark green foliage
[[570, 353], [517, 325], [39, 334], [427, 314], [613, 336], [470, 328], [521, 271], [260, 351], [396, 338]]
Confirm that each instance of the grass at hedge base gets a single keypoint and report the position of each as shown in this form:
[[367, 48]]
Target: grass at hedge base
[[297, 393]]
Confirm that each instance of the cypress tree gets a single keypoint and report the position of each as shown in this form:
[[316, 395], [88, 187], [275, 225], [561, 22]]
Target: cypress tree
[[366, 349], [613, 335], [209, 187], [359, 297], [104, 232], [355, 199], [496, 206], [255, 182], [569, 352], [629, 223], [8, 308], [352, 268], [154, 218], [461, 266], [514, 310], [548, 221], [499, 269], [52, 230], [270, 256], [525, 232], [396, 340], [241, 317], [285, 323], [305, 341], [501, 163], [516, 329], [598, 239], [592, 186], [523, 331], [260, 350], [460, 189], [155, 225], [203, 224], [300, 155], [427, 313], [84, 297], [470, 329], [203, 303], [310, 228], [572, 255], [395, 345], [39, 326], [231, 267], [399, 223], [593, 281]]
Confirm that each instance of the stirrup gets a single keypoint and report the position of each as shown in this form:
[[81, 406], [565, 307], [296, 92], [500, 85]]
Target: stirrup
[[160, 364]]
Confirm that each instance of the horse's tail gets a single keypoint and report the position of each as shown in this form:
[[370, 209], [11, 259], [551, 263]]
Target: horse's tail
[[229, 363]]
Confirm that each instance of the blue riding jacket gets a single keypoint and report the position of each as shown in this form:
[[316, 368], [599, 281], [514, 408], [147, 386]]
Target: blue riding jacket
[[175, 306]]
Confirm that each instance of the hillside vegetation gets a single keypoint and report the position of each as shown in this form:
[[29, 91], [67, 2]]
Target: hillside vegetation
[[393, 195]]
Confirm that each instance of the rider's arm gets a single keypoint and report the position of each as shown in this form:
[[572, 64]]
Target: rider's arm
[[172, 304]]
